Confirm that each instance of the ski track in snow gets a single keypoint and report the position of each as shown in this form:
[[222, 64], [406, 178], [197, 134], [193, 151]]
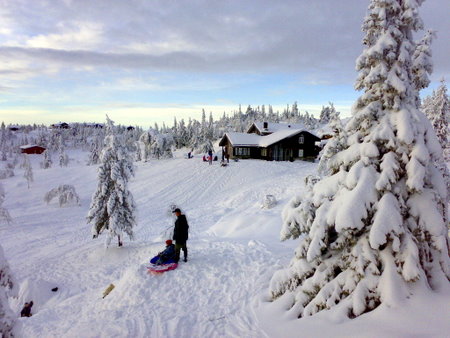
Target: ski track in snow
[[212, 295]]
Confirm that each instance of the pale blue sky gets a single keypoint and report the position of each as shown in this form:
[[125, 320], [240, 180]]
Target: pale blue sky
[[148, 61]]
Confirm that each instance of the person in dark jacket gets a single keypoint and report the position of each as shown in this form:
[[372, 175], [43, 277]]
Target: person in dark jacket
[[180, 235], [26, 311]]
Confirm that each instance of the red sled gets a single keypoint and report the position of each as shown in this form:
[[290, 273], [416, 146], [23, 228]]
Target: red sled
[[158, 269]]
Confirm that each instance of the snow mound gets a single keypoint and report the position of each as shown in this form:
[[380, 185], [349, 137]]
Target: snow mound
[[39, 291]]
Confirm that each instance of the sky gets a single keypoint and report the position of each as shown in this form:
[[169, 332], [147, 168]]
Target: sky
[[147, 61]]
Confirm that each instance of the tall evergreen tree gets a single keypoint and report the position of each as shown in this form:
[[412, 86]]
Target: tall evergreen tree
[[376, 229], [112, 208]]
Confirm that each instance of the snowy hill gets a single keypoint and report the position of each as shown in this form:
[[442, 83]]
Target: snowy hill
[[222, 291]]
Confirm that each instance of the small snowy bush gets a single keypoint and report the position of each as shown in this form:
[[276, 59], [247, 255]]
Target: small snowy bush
[[269, 202], [6, 173], [65, 193]]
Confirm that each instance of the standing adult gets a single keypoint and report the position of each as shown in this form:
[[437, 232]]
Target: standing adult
[[180, 235]]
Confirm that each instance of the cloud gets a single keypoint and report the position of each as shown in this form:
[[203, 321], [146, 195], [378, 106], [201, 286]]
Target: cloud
[[72, 36], [75, 56], [321, 37]]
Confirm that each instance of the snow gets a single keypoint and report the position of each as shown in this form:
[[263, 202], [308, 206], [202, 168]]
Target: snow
[[243, 139], [222, 291]]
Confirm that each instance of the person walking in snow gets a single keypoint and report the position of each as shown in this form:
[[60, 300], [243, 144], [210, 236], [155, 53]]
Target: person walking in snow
[[180, 235]]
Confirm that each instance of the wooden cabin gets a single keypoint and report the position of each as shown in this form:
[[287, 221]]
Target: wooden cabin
[[60, 125], [276, 144], [32, 149]]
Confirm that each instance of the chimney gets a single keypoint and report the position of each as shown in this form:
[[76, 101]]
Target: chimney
[[265, 125]]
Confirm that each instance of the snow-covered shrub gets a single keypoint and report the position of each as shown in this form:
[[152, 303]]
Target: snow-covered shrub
[[4, 214], [47, 162], [112, 207], [7, 289], [6, 173], [28, 171], [375, 226], [65, 193], [269, 202]]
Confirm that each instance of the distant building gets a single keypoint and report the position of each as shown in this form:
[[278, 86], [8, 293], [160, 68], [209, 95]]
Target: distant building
[[272, 142], [60, 125], [94, 125], [32, 149]]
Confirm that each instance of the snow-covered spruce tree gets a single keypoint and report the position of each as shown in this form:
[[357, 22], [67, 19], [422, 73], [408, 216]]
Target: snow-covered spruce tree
[[28, 171], [112, 208], [422, 64], [161, 146], [5, 217], [63, 158], [145, 142], [437, 109], [376, 227], [206, 146], [94, 154], [47, 161], [7, 289], [334, 145]]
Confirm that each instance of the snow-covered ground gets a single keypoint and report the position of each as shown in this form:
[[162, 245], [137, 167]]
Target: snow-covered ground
[[222, 291]]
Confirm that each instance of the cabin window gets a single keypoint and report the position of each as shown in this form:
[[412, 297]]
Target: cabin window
[[242, 151], [301, 139], [264, 152], [301, 153]]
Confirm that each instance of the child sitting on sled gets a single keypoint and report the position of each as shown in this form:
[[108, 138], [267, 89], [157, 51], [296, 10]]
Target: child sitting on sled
[[166, 256]]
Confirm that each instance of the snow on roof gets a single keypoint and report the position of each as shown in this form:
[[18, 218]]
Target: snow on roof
[[28, 146], [279, 135], [243, 139], [273, 127]]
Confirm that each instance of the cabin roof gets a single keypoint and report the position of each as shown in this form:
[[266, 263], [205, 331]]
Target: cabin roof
[[28, 146], [274, 127], [254, 140], [243, 139]]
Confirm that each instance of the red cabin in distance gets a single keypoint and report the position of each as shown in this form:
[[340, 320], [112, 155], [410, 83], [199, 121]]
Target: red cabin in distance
[[32, 149]]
